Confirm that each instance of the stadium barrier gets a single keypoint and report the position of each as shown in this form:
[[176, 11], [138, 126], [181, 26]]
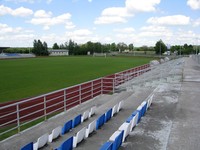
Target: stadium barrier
[[14, 115]]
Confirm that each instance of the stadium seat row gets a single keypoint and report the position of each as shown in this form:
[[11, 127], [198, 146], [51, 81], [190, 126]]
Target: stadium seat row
[[119, 136], [44, 139], [84, 133]]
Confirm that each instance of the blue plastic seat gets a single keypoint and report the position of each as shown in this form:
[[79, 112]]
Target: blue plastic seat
[[107, 146], [76, 121], [108, 115], [67, 145], [67, 127], [118, 141], [134, 114], [100, 121], [28, 146]]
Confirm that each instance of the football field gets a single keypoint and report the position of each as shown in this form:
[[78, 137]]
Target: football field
[[22, 78]]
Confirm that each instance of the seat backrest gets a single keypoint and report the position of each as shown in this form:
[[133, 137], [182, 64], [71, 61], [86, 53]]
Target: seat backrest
[[118, 141], [67, 127], [85, 116], [100, 121], [92, 111], [126, 128], [42, 140], [81, 135], [91, 127], [121, 103], [108, 115], [107, 146], [136, 114], [139, 109], [150, 101], [144, 107], [76, 121], [28, 146], [114, 109], [56, 132], [67, 145]]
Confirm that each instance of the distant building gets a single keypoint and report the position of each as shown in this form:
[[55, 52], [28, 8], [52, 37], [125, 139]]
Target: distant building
[[58, 52]]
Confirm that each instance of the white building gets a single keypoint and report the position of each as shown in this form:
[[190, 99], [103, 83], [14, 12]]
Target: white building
[[58, 52]]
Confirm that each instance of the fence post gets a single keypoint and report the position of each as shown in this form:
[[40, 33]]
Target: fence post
[[113, 85], [92, 89], [45, 107], [18, 119], [65, 109], [101, 86], [79, 94]]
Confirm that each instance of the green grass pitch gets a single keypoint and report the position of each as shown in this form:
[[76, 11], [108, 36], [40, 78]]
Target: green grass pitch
[[22, 78]]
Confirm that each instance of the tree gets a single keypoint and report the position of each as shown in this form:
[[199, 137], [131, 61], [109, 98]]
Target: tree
[[62, 46], [160, 47], [55, 46], [39, 48], [113, 47], [130, 46], [121, 46]]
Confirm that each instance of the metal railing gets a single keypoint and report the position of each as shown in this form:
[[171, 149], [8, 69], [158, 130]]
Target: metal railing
[[15, 115]]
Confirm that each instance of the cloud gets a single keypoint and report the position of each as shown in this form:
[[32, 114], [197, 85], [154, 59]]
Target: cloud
[[194, 4], [5, 29], [141, 5], [80, 35], [120, 14], [155, 31], [127, 30], [80, 32], [112, 15], [41, 17], [116, 11], [196, 23], [8, 34], [69, 25], [170, 20], [110, 20], [42, 14], [21, 11]]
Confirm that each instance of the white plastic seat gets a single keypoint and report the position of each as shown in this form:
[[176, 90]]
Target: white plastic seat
[[92, 111], [150, 101], [121, 103], [114, 135], [79, 136], [41, 141], [144, 107], [126, 127], [55, 133], [132, 123], [85, 116], [91, 128], [135, 119], [114, 109]]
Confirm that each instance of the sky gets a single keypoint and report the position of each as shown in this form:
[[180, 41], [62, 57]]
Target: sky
[[140, 22]]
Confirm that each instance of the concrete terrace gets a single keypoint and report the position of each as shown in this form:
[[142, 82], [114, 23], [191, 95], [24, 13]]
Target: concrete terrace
[[172, 122]]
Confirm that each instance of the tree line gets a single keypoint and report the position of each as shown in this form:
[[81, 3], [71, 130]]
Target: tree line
[[41, 48], [92, 47]]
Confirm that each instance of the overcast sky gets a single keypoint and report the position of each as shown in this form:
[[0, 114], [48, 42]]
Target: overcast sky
[[141, 22]]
